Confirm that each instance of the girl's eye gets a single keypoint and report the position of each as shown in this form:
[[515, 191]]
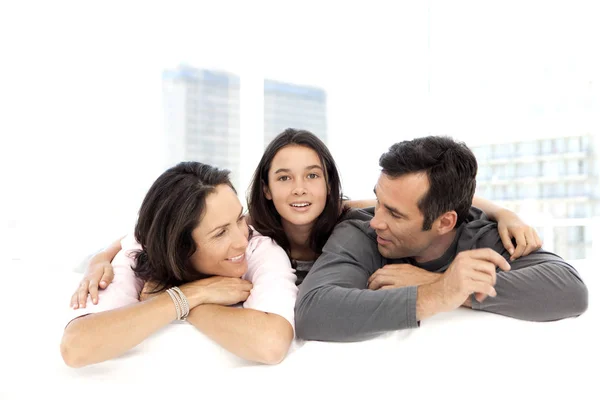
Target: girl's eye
[[283, 178], [313, 176]]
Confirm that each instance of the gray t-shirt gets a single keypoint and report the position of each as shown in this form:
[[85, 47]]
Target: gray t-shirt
[[302, 267], [334, 303]]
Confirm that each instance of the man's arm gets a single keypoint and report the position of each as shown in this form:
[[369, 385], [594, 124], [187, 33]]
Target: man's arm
[[539, 287], [334, 303]]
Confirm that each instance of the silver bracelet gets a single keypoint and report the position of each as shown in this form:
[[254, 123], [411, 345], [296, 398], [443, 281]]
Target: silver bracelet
[[175, 299], [184, 302]]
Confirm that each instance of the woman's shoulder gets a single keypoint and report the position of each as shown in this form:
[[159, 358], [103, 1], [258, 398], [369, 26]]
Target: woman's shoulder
[[259, 241], [262, 247], [264, 254]]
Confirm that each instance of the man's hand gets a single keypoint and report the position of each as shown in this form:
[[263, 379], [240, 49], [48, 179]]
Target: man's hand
[[400, 275], [472, 271], [97, 276]]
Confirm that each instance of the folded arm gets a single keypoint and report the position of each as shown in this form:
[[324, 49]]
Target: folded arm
[[263, 330], [250, 334], [539, 287], [334, 303]]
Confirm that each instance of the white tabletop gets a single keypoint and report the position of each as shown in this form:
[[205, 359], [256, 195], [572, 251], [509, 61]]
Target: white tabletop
[[462, 354]]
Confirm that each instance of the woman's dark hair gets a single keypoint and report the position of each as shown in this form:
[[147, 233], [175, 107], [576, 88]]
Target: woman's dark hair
[[263, 215], [171, 210], [451, 169]]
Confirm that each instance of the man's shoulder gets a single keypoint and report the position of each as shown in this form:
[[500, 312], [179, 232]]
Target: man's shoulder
[[359, 214], [353, 231], [478, 231], [356, 220]]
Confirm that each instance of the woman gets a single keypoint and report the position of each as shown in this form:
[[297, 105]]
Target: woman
[[191, 238], [296, 198]]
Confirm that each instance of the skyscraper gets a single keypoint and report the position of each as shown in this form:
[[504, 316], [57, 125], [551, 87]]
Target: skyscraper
[[294, 106], [202, 118], [556, 179]]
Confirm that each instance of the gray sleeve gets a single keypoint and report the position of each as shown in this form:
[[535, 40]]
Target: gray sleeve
[[334, 303], [539, 287]]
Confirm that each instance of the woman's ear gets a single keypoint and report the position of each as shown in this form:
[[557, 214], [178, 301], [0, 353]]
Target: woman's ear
[[267, 192]]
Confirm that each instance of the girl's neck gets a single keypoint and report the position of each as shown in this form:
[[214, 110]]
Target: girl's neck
[[299, 238]]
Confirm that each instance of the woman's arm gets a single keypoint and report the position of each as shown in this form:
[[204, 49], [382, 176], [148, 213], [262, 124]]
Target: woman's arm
[[120, 322], [250, 334], [264, 329], [105, 335]]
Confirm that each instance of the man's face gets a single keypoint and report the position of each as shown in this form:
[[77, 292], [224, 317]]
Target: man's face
[[398, 221]]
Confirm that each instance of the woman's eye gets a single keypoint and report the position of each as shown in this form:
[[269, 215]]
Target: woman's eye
[[313, 176], [283, 178], [220, 234]]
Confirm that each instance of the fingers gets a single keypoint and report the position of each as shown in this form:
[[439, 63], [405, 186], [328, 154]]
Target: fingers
[[93, 290], [484, 277], [395, 266], [107, 276], [480, 297], [487, 254], [380, 280], [533, 242], [75, 301], [482, 287], [506, 240], [82, 293], [521, 246]]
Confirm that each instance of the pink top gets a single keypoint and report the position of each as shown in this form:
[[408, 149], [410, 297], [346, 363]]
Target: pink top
[[273, 280]]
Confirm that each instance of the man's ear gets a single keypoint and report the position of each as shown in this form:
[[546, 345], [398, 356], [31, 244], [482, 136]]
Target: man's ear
[[446, 222], [267, 192]]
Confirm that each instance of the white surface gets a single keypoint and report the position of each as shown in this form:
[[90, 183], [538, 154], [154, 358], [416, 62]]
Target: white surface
[[463, 354]]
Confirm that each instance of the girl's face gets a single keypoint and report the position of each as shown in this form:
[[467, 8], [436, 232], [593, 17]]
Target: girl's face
[[297, 185], [222, 236]]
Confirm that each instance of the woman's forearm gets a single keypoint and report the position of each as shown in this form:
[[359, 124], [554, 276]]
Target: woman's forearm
[[250, 334], [98, 337]]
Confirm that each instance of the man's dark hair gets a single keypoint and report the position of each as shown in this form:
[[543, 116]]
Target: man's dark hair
[[450, 166]]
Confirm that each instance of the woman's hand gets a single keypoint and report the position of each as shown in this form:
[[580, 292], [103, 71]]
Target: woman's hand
[[511, 226], [215, 290], [97, 276]]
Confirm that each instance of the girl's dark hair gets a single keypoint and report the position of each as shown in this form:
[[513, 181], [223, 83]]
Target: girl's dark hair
[[171, 210], [263, 215]]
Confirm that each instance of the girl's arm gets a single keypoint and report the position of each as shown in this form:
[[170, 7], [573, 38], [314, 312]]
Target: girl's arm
[[98, 274], [510, 227]]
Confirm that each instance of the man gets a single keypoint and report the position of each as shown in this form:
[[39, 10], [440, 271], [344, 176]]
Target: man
[[424, 250]]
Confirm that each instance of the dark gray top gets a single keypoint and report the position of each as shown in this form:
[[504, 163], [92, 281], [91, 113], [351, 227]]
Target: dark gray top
[[334, 303]]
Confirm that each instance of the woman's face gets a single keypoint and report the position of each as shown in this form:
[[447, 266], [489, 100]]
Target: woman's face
[[222, 236], [297, 185]]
